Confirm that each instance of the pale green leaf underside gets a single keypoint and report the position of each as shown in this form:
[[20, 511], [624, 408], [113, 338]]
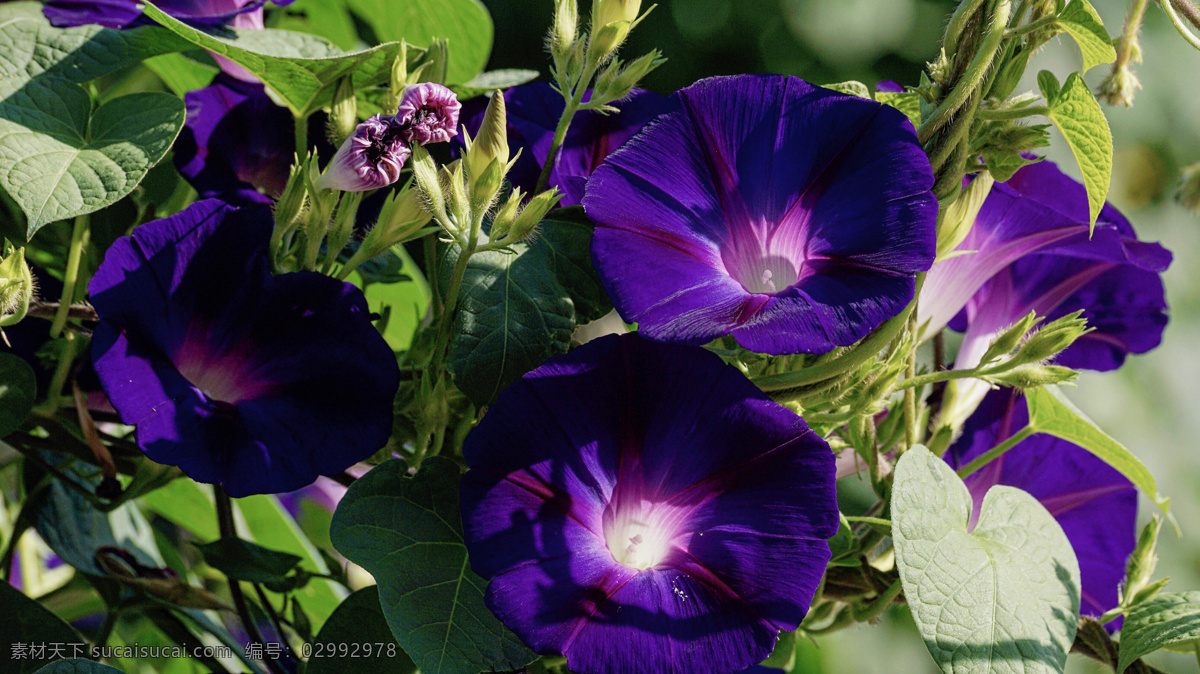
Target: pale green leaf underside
[[1001, 598], [407, 532], [1050, 412], [1169, 618], [1082, 23], [1082, 123], [301, 69]]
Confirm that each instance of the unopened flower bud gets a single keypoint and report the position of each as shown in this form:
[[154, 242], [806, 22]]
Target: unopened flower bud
[[425, 173], [1139, 572], [369, 159], [611, 21], [343, 114], [295, 193], [1120, 86], [955, 222], [490, 145], [507, 214], [628, 77], [454, 184], [398, 79], [1051, 339], [16, 287], [436, 58], [565, 30], [1009, 339], [1189, 188], [428, 113], [531, 216], [1033, 376]]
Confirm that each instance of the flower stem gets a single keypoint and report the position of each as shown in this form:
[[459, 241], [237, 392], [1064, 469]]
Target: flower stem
[[974, 76], [935, 377], [79, 239], [871, 611], [1133, 23], [564, 123], [995, 452], [868, 520], [61, 370], [1168, 7], [1015, 113], [301, 136]]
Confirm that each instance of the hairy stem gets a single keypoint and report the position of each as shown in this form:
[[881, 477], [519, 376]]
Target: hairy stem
[[994, 453], [79, 238]]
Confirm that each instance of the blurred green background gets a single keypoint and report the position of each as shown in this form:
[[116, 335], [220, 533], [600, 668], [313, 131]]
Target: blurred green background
[[1148, 404]]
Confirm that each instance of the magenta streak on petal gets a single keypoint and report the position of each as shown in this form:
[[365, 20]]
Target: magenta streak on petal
[[703, 575], [615, 572], [1064, 502], [560, 500]]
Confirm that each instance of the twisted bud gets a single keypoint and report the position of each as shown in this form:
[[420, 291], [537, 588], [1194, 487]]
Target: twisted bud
[[611, 22], [487, 153]]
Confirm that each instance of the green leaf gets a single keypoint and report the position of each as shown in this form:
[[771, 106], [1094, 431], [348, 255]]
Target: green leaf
[[359, 621], [1170, 618], [77, 666], [843, 547], [517, 310], [465, 23], [1082, 123], [850, 87], [907, 102], [492, 80], [1003, 163], [407, 532], [784, 655], [1081, 21], [1050, 412], [1002, 597], [1048, 85], [25, 621], [327, 18], [18, 391], [180, 73], [75, 529], [301, 69], [243, 560]]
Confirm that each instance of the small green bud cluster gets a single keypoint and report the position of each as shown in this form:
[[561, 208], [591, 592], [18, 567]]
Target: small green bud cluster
[[16, 286], [1139, 585], [514, 224]]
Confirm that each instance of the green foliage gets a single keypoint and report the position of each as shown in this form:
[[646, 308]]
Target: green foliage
[[407, 533], [1080, 20], [359, 620], [908, 102], [466, 24], [18, 391], [243, 560], [1001, 597], [1078, 116], [59, 157], [492, 80], [302, 69], [1170, 618], [1050, 412], [180, 73], [24, 621], [518, 309]]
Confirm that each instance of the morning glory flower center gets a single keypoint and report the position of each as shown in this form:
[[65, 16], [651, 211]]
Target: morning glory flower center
[[226, 377], [640, 534], [762, 272]]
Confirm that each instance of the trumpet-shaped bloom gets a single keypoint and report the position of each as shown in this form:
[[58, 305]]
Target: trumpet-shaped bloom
[[370, 158], [533, 113], [428, 113], [791, 216], [1095, 505], [1033, 253], [642, 507], [121, 13], [237, 143], [256, 382]]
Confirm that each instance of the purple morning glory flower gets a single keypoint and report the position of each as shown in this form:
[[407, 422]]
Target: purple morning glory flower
[[257, 382], [1095, 505], [370, 158], [791, 216], [533, 113], [1034, 254], [428, 113], [643, 507], [237, 144], [121, 13]]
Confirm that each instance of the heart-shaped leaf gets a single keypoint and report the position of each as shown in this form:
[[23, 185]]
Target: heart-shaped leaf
[[407, 532], [358, 624], [1169, 618], [1002, 596]]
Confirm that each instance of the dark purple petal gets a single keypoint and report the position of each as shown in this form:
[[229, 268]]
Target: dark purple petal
[[256, 382], [633, 492], [889, 87], [533, 112], [428, 113], [121, 13], [798, 216], [1095, 505], [237, 143], [1033, 256]]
